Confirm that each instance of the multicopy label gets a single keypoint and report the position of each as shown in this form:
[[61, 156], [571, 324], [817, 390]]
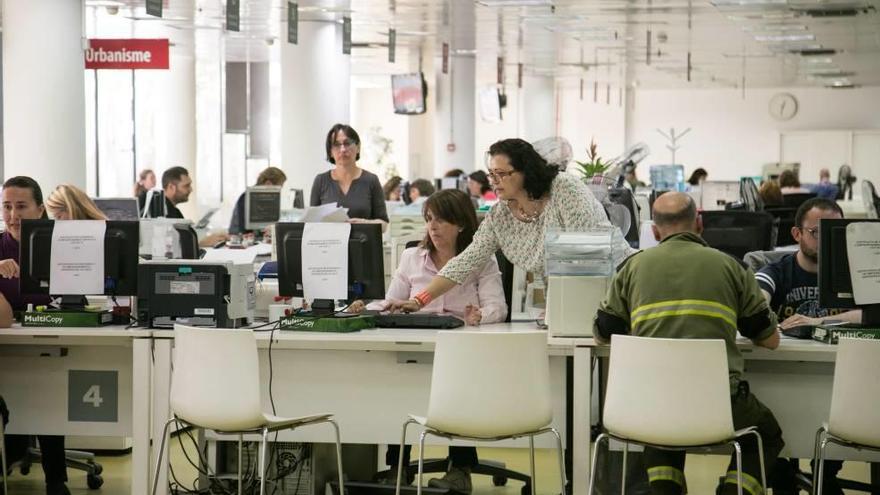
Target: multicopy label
[[46, 320]]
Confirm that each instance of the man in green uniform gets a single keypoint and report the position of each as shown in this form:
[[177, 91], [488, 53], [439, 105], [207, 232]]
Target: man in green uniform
[[684, 289]]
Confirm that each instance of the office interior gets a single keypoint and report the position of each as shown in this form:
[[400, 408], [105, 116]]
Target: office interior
[[740, 88]]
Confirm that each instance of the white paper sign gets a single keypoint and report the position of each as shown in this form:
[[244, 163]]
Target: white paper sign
[[77, 259], [325, 260], [863, 253]]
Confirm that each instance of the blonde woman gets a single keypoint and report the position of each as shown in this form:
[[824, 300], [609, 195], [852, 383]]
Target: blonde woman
[[68, 202]]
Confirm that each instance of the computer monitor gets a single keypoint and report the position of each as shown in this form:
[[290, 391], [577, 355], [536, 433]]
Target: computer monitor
[[366, 273], [716, 195], [118, 208], [835, 284], [738, 232], [120, 257], [262, 207], [155, 204], [299, 201], [409, 92]]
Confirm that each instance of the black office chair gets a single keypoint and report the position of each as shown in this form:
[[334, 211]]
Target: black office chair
[[870, 199], [739, 232], [795, 200], [497, 470], [785, 216]]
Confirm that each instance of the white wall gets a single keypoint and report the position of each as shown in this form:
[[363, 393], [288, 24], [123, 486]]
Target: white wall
[[372, 115], [583, 120], [731, 136]]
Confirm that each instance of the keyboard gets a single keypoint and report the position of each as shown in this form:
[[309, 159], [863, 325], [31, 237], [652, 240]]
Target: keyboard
[[413, 320], [799, 332]]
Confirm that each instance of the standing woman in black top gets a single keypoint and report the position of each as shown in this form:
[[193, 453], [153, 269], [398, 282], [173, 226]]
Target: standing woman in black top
[[348, 185]]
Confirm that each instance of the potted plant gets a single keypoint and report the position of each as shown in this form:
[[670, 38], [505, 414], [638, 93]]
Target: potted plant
[[594, 168]]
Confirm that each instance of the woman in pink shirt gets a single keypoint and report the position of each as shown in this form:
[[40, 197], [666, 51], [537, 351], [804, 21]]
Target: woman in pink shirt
[[451, 223]]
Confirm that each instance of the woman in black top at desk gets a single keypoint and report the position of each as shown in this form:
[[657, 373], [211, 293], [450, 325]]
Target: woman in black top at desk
[[348, 185], [23, 200]]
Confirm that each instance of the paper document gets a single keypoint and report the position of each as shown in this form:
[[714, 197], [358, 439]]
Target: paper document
[[77, 259], [238, 256], [325, 260], [863, 253], [325, 213]]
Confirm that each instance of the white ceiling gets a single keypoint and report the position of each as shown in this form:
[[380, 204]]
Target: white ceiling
[[728, 41]]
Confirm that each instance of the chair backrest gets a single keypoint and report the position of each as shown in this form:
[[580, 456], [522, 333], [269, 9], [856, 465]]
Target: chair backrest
[[215, 382], [759, 259], [738, 232], [401, 244], [856, 393], [870, 199], [785, 215], [487, 384], [673, 392], [795, 200]]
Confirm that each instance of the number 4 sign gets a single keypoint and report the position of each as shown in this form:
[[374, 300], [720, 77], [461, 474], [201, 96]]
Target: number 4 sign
[[93, 395]]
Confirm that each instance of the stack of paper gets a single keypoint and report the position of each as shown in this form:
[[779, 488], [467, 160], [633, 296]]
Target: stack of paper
[[325, 213]]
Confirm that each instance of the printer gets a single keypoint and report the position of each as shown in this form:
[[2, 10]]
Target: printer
[[579, 267], [203, 293]]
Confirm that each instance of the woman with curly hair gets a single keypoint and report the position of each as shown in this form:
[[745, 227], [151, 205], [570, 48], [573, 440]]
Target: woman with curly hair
[[534, 198]]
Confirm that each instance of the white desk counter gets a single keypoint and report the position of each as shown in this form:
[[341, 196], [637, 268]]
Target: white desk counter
[[80, 381]]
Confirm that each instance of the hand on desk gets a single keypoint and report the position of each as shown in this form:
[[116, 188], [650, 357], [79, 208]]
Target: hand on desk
[[472, 315], [9, 269], [798, 320], [357, 306], [398, 306]]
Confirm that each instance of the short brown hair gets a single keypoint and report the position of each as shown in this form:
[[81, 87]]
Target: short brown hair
[[789, 179], [391, 185], [271, 176], [455, 207]]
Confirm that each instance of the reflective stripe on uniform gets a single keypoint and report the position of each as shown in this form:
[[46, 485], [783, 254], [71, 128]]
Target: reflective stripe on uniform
[[750, 484], [680, 307], [666, 473]]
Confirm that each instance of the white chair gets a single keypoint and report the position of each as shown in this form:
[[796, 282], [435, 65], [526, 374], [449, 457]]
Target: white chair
[[642, 408], [215, 384], [854, 418], [487, 386]]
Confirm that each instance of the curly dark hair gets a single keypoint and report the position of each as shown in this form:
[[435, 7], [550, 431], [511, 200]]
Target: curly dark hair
[[538, 175], [349, 132]]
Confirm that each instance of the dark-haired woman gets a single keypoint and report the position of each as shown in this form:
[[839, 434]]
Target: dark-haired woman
[[479, 187], [535, 198], [348, 185], [23, 200], [451, 224]]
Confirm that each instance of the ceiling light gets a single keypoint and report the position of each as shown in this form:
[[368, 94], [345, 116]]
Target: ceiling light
[[785, 37], [747, 3], [514, 3], [817, 61], [775, 28]]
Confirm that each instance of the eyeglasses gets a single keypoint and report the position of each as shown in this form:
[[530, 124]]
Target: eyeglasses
[[347, 143], [499, 176], [814, 232]]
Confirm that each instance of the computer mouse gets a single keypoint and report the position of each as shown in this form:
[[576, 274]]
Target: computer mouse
[[219, 245]]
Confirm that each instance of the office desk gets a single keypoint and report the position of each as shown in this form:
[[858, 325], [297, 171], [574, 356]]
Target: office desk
[[370, 380], [80, 381], [794, 381]]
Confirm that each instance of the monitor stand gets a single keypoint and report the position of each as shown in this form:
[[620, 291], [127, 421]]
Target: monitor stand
[[74, 303], [323, 307], [871, 315]]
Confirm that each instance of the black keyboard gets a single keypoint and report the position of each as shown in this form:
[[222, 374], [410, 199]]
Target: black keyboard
[[413, 320]]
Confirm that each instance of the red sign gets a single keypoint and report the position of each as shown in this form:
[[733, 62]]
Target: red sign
[[127, 54]]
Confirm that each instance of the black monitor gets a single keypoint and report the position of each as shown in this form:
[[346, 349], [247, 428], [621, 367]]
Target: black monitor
[[155, 204], [835, 284], [299, 201], [366, 273], [120, 257], [262, 207], [118, 208], [738, 232]]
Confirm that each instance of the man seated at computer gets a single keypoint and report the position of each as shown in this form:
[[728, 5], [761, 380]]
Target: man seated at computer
[[791, 287], [451, 222], [271, 176], [682, 289], [177, 186]]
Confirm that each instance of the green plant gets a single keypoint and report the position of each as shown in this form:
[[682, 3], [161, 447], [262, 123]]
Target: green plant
[[594, 165]]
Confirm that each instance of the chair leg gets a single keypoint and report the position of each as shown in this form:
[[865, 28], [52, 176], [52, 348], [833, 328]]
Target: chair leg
[[817, 489], [264, 440], [421, 462], [400, 455], [561, 456], [623, 469], [161, 451], [532, 463], [338, 456], [760, 458], [3, 456], [739, 468], [240, 442], [819, 434], [599, 439]]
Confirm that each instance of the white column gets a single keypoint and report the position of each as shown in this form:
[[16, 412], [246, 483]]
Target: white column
[[44, 91], [315, 92], [538, 108], [455, 116]]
